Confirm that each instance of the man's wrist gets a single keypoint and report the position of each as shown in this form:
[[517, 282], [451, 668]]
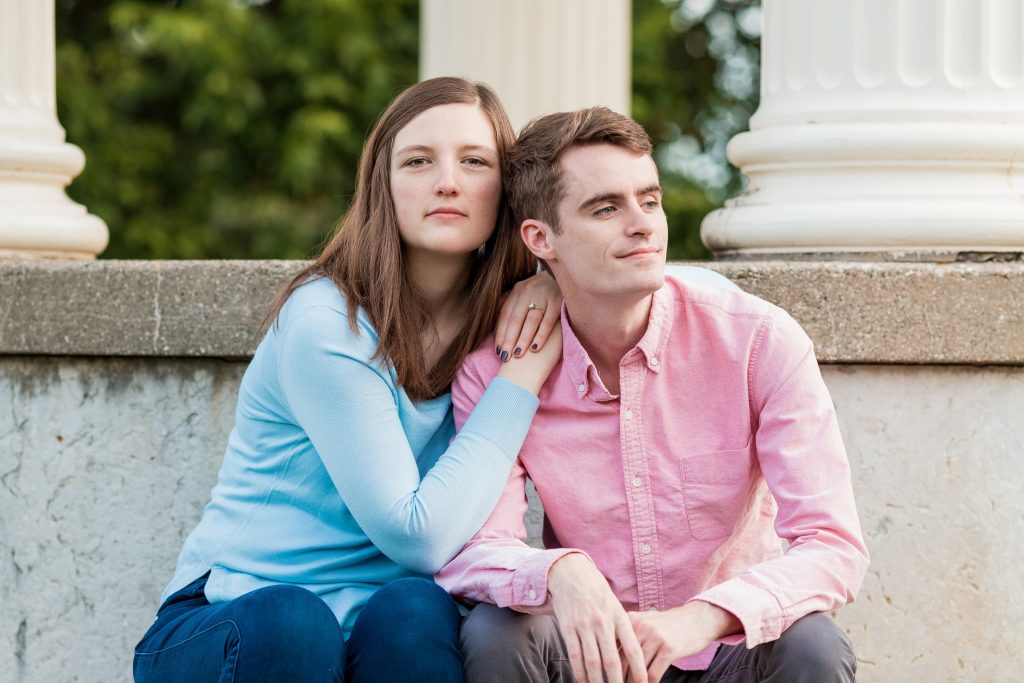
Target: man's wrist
[[564, 568], [717, 621]]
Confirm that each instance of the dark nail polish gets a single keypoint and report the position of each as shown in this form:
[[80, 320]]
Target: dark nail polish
[[518, 352], [534, 347], [504, 356]]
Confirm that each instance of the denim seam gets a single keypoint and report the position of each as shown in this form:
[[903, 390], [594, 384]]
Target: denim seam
[[234, 625]]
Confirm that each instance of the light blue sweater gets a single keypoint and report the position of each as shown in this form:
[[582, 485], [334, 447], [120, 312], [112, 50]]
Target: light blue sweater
[[333, 479]]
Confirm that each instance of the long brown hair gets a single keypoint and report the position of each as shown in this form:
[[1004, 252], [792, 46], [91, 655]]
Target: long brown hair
[[366, 260]]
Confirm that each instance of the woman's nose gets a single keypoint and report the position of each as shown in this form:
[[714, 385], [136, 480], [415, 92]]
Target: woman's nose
[[446, 182]]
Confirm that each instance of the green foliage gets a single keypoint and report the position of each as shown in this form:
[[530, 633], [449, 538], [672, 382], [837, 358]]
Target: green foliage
[[694, 86], [217, 129], [231, 128]]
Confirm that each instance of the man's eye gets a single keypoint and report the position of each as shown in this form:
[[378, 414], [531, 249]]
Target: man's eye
[[651, 204], [605, 211]]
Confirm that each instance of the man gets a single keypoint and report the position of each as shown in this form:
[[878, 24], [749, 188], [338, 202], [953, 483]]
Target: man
[[686, 431]]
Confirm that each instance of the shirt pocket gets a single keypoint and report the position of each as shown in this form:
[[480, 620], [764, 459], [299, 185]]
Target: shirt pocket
[[716, 490]]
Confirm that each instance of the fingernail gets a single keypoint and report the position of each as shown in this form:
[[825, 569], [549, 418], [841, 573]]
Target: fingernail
[[497, 350], [504, 355], [534, 347], [518, 352]]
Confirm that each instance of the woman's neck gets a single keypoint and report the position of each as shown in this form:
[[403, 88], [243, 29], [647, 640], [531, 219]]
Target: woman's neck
[[441, 281]]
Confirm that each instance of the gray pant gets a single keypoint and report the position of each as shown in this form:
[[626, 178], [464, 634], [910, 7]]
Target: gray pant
[[504, 646]]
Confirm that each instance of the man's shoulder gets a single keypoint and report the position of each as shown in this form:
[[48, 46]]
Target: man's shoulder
[[718, 296], [482, 363]]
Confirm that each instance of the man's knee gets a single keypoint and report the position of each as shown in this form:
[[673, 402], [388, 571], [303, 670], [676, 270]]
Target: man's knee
[[504, 645], [816, 647]]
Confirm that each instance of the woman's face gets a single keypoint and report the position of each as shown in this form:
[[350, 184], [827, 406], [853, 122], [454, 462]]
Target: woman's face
[[446, 180]]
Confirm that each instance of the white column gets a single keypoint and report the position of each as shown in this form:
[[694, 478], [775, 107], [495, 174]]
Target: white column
[[885, 127], [37, 219], [541, 56]]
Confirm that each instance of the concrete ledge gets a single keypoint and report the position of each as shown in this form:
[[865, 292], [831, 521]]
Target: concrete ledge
[[951, 313]]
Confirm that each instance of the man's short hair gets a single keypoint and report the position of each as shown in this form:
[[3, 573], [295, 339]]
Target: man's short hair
[[533, 176]]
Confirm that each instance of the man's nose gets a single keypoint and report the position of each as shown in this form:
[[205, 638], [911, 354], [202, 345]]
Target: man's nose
[[640, 222]]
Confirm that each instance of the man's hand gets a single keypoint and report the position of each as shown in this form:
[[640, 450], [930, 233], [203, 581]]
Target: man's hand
[[680, 632], [593, 623]]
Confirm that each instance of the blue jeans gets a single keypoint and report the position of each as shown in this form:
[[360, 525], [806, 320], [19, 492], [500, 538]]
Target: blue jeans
[[408, 630]]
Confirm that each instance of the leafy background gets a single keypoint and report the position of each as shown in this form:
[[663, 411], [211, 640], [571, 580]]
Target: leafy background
[[231, 129]]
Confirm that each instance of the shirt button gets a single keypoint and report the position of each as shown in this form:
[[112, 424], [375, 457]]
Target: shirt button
[[581, 388], [645, 549], [532, 594], [654, 361], [628, 414], [636, 482]]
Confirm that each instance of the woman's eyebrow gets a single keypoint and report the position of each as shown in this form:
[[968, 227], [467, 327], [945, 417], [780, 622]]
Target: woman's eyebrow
[[478, 148], [414, 148], [465, 148]]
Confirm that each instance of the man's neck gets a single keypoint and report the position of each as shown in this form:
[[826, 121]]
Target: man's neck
[[608, 330]]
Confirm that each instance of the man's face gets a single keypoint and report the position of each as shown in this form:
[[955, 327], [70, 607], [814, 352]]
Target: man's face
[[613, 231]]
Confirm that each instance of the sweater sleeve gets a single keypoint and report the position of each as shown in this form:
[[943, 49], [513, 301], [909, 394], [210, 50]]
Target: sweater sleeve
[[347, 407]]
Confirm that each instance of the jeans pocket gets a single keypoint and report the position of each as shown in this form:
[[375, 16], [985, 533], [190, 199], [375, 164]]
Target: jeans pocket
[[717, 489]]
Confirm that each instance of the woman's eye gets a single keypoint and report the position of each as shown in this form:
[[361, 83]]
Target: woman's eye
[[415, 161], [476, 161]]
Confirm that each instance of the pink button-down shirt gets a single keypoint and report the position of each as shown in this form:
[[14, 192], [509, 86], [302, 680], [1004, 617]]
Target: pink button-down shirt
[[722, 440]]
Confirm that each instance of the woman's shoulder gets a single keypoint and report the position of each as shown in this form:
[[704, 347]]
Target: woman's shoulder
[[316, 291], [317, 312]]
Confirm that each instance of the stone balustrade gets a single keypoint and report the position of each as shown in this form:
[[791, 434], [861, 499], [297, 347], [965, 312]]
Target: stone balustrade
[[117, 388]]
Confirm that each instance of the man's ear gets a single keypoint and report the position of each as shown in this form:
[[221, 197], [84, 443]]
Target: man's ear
[[536, 235]]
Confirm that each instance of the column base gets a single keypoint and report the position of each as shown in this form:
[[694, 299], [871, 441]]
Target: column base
[[44, 255], [66, 231]]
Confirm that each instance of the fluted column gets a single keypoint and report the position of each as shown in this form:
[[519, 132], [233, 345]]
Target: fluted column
[[886, 128], [540, 56], [36, 217]]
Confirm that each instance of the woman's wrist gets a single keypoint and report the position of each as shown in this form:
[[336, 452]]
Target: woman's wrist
[[525, 372]]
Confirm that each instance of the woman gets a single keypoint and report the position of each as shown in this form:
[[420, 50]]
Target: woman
[[342, 489]]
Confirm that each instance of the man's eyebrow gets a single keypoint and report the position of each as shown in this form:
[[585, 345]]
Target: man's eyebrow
[[600, 199], [617, 196]]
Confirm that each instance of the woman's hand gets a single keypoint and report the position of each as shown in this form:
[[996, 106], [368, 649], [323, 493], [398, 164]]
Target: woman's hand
[[530, 311], [531, 370]]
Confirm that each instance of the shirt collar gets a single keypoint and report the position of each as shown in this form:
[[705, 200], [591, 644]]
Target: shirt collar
[[581, 370]]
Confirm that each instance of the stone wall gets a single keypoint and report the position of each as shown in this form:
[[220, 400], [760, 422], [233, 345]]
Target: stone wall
[[117, 389]]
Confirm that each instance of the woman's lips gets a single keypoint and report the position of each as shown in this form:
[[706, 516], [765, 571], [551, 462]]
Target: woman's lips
[[446, 213]]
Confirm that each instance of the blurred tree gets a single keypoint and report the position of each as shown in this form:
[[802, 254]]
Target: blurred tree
[[231, 128], [225, 129], [695, 85]]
